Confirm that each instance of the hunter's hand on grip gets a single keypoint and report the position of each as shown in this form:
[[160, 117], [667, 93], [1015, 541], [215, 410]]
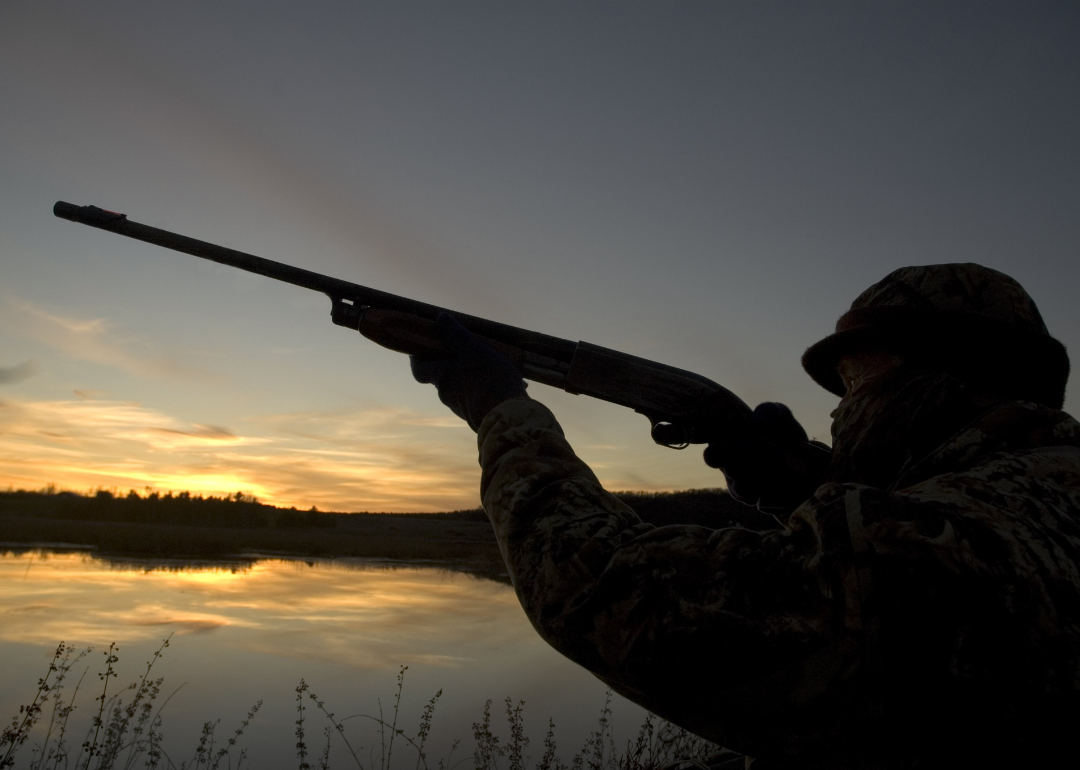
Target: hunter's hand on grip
[[472, 377], [772, 464]]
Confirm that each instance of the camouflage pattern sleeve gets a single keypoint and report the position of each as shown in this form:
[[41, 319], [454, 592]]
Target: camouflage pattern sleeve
[[730, 633]]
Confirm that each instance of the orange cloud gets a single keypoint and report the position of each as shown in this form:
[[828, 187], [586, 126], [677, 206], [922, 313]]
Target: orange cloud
[[382, 460]]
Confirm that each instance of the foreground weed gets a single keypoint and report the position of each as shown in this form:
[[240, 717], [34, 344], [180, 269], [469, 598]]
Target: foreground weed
[[425, 729], [337, 726], [61, 712], [599, 751], [301, 746], [549, 761], [652, 749], [129, 735], [225, 751], [397, 707], [91, 746], [386, 745], [657, 747], [487, 751], [17, 733], [120, 735]]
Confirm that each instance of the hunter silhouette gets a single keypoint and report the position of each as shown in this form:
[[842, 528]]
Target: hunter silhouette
[[920, 604]]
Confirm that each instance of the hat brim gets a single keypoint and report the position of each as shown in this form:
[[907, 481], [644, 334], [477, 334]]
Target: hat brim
[[820, 359], [1011, 362]]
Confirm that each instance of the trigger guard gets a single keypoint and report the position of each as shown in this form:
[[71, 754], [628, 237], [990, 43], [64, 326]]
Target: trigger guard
[[676, 436]]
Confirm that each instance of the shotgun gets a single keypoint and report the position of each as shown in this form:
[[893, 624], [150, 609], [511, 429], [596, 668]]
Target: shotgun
[[684, 408]]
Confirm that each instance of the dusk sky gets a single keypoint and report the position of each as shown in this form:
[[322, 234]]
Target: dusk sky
[[704, 184]]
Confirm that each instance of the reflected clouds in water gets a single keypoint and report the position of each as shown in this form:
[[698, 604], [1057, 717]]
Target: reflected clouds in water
[[354, 614]]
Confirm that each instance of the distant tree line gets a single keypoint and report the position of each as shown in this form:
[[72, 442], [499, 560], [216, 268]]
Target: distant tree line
[[713, 508], [183, 525], [239, 510]]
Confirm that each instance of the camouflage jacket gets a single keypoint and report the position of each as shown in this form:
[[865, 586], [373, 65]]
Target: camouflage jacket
[[935, 623]]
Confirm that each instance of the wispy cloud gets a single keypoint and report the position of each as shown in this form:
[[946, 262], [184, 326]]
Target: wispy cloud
[[88, 394], [24, 371], [379, 460], [202, 431], [96, 340]]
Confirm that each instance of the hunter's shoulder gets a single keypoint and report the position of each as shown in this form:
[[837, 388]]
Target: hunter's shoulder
[[1015, 448], [1015, 471], [1006, 496], [1009, 481], [1022, 425]]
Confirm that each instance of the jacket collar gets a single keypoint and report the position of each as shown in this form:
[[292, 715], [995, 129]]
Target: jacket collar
[[1006, 427]]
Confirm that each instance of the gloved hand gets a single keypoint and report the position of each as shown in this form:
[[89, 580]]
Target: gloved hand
[[472, 378], [774, 466]]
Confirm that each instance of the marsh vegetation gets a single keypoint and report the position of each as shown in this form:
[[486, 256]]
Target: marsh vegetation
[[124, 728]]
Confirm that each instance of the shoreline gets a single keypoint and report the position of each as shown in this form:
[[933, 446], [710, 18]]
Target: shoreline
[[244, 561], [241, 529]]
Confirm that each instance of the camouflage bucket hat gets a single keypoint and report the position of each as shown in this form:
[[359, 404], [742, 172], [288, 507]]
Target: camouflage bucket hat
[[972, 321]]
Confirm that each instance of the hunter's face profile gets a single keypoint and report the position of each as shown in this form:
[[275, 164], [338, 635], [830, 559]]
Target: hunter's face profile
[[861, 370]]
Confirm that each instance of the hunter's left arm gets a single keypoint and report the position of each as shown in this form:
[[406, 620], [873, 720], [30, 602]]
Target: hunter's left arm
[[716, 630]]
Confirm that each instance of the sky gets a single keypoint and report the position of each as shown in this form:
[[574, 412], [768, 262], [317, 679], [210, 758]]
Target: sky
[[708, 185]]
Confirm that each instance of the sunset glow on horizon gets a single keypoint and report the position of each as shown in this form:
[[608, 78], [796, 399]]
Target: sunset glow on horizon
[[86, 445]]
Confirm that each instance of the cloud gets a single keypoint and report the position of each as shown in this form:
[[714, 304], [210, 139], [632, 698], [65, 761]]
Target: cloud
[[184, 622], [374, 460], [10, 375], [88, 394], [92, 339], [212, 432]]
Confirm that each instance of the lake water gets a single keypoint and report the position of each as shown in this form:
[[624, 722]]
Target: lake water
[[250, 631]]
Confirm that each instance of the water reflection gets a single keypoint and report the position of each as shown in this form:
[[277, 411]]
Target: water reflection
[[247, 630], [355, 614]]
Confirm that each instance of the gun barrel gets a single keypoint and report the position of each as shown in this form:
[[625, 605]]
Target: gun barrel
[[543, 345], [696, 406], [121, 225]]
